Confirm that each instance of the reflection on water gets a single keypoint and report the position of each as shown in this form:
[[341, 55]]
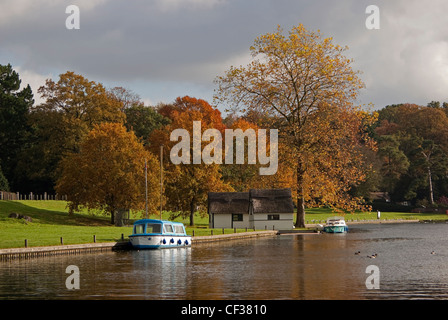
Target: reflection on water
[[285, 267]]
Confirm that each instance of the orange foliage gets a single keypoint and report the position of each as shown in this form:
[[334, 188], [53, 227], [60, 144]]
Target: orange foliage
[[307, 87], [108, 172], [187, 185]]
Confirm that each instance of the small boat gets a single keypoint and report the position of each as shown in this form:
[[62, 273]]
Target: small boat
[[155, 234], [335, 225]]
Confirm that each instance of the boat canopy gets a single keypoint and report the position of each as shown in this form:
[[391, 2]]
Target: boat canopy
[[335, 219], [153, 226]]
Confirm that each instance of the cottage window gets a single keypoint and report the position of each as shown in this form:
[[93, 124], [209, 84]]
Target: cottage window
[[237, 217], [273, 217]]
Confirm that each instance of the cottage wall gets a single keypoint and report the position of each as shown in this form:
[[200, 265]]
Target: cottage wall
[[259, 209], [223, 220], [261, 221]]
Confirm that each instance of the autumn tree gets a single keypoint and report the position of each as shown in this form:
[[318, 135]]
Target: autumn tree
[[80, 104], [126, 97], [186, 185], [108, 173], [306, 84], [243, 176], [73, 106]]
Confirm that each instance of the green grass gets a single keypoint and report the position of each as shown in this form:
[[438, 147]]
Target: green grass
[[315, 215], [51, 222]]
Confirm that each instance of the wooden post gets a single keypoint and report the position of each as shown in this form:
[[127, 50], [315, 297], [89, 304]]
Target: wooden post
[[26, 243], [94, 238], [222, 230], [62, 241]]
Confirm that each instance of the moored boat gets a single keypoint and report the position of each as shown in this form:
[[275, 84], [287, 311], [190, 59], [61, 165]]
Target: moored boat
[[155, 234], [335, 225]]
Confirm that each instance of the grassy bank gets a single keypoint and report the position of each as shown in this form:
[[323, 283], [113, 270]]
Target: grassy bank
[[51, 222], [320, 215]]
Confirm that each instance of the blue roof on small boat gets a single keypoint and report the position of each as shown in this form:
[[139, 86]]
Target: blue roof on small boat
[[142, 221]]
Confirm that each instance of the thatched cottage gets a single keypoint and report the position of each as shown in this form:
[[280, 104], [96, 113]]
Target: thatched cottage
[[259, 209]]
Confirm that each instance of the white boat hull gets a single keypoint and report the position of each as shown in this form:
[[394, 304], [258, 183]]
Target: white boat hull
[[335, 229], [159, 241], [335, 225]]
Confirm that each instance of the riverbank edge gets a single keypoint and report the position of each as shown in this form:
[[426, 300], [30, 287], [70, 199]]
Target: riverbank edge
[[32, 252], [373, 222]]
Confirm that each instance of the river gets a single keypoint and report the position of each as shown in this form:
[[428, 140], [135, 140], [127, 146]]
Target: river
[[285, 267]]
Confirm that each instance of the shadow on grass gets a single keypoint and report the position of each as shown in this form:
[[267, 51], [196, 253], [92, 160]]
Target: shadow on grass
[[44, 216]]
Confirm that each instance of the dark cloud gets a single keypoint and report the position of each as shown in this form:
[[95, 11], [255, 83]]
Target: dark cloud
[[166, 48]]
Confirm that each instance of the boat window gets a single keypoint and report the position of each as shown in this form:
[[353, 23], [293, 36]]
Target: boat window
[[138, 228], [168, 228], [153, 228], [179, 229]]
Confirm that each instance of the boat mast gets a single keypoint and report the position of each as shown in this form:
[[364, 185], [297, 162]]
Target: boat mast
[[161, 179], [146, 190]]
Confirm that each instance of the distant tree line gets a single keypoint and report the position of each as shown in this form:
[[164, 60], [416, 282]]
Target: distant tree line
[[412, 159]]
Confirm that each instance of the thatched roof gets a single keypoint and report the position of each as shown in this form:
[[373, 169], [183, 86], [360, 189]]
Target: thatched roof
[[228, 202], [257, 200], [271, 201]]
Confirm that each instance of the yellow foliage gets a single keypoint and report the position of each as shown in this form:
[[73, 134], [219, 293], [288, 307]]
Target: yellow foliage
[[307, 86], [108, 172]]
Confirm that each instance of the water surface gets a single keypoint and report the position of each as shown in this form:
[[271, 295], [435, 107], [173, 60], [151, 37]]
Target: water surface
[[285, 267]]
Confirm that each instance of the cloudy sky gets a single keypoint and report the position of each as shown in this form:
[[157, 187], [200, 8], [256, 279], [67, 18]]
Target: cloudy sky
[[162, 49]]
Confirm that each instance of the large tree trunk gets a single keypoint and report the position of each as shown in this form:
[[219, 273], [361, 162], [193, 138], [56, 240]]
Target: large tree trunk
[[431, 190], [119, 216], [300, 221], [192, 210]]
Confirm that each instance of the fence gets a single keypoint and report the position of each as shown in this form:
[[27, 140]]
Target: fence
[[30, 196]]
